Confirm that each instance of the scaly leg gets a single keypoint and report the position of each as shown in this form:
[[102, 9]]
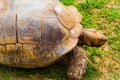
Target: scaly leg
[[77, 64]]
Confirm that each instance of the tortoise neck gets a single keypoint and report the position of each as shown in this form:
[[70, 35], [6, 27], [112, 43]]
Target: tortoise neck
[[82, 38]]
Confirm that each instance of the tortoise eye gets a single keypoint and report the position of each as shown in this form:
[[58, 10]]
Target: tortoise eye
[[100, 40]]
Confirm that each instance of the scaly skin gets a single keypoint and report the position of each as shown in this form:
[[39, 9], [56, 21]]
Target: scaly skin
[[76, 61]]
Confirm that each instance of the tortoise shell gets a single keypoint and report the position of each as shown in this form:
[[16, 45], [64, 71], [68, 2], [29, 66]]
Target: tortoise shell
[[36, 34]]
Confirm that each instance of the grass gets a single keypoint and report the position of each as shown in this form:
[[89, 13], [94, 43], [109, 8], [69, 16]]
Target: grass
[[103, 62]]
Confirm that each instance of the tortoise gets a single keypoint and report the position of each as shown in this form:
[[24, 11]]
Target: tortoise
[[38, 33]]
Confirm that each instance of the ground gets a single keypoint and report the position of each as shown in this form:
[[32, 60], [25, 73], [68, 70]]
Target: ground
[[103, 63]]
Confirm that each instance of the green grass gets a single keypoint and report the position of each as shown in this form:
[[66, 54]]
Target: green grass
[[68, 2], [103, 62]]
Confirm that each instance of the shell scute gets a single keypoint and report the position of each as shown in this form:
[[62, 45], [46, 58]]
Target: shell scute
[[64, 15]]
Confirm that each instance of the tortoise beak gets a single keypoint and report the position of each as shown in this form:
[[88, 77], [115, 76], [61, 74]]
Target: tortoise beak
[[105, 39], [102, 41]]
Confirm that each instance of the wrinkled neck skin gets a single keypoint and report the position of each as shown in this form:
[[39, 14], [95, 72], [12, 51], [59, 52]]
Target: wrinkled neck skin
[[82, 40]]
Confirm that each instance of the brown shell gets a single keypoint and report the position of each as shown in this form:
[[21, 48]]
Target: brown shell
[[36, 34]]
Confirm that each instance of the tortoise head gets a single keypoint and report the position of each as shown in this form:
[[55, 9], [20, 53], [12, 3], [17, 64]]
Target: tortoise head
[[92, 37]]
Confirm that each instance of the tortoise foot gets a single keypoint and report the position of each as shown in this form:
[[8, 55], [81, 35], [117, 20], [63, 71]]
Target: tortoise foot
[[77, 66]]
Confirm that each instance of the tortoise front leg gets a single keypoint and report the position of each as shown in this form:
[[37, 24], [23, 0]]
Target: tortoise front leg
[[77, 66]]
